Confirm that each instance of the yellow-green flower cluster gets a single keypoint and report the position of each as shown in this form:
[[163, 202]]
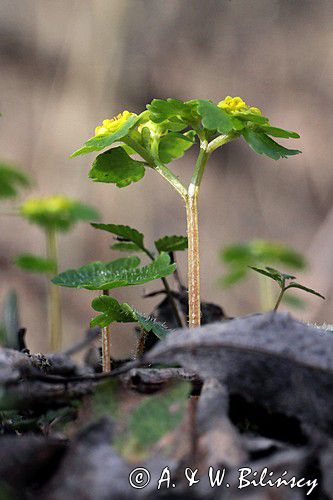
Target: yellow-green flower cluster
[[54, 205], [110, 126], [237, 105]]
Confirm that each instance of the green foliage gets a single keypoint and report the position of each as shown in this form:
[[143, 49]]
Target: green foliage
[[125, 246], [57, 212], [278, 132], [214, 118], [262, 144], [281, 279], [100, 142], [115, 166], [256, 252], [173, 146], [171, 243], [153, 418], [161, 110], [126, 233], [36, 264], [118, 273], [112, 311], [11, 180]]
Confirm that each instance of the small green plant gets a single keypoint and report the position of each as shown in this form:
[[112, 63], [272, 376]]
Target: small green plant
[[125, 272], [163, 133], [53, 214], [283, 280], [259, 253], [116, 274]]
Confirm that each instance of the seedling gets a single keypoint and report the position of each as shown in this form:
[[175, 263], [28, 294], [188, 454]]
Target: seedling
[[259, 253], [118, 273], [283, 280], [54, 214], [131, 240], [163, 133]]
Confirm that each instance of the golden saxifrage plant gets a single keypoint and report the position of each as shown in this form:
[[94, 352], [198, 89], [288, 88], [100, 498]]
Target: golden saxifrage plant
[[161, 134]]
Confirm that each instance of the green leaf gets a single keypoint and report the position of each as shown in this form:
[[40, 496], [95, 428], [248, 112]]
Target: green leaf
[[117, 167], [161, 110], [153, 418], [57, 212], [278, 132], [250, 117], [35, 264], [125, 246], [173, 145], [171, 243], [11, 179], [304, 288], [112, 311], [279, 273], [100, 142], [215, 118], [118, 273], [270, 273], [127, 233], [262, 144]]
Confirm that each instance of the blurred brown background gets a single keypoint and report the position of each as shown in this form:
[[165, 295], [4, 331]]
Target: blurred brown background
[[67, 64]]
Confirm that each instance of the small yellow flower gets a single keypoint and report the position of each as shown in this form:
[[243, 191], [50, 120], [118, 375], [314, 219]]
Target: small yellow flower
[[236, 104], [110, 126]]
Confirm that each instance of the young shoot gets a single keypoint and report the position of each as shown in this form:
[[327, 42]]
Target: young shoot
[[131, 240], [116, 274], [259, 253], [283, 280], [53, 214], [163, 133]]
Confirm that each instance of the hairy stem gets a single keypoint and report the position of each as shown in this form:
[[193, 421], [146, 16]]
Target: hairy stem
[[141, 344], [194, 314], [106, 345], [53, 294]]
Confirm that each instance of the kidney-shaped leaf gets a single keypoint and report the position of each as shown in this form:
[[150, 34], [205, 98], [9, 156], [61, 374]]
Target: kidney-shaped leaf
[[117, 167], [100, 142], [173, 145], [214, 118], [112, 311], [171, 243], [126, 233], [118, 273]]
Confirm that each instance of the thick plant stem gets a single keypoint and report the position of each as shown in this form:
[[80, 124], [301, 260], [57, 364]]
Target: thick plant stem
[[194, 314], [106, 345], [54, 306]]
